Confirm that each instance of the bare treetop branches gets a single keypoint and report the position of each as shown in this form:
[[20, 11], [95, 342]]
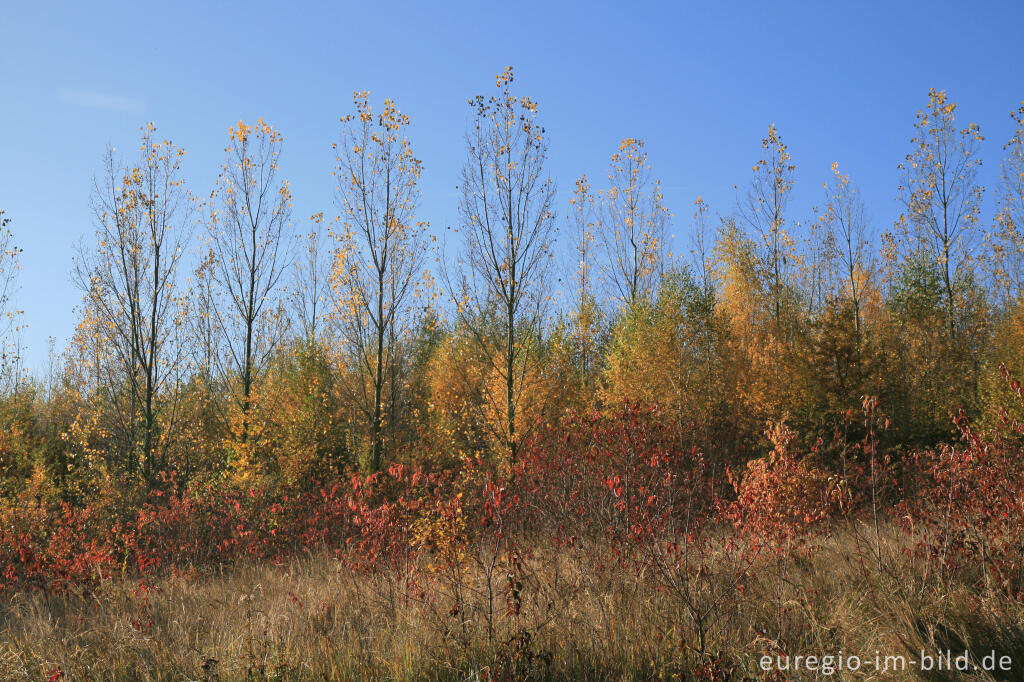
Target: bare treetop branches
[[763, 210], [632, 225], [701, 252], [311, 287], [11, 324], [506, 208], [506, 202], [847, 225], [939, 192], [252, 251], [381, 249], [130, 280], [1008, 239]]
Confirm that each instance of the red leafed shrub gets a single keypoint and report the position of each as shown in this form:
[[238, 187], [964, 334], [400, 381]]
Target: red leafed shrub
[[202, 526], [970, 512], [624, 487], [363, 519], [624, 477], [779, 498], [621, 489], [57, 547], [381, 508], [53, 547], [377, 528]]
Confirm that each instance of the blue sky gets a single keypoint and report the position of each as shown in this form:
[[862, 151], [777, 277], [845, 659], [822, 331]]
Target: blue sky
[[699, 81]]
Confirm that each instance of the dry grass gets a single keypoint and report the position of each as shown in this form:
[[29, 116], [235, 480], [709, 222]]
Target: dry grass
[[314, 619]]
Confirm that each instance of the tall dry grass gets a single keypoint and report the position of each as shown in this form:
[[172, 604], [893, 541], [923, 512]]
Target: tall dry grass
[[314, 619]]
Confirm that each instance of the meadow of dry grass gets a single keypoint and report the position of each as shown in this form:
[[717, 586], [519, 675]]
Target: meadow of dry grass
[[312, 618]]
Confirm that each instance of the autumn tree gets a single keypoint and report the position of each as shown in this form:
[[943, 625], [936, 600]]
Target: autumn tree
[[17, 396], [1006, 270], [203, 331], [130, 282], [251, 248], [753, 352], [848, 230], [506, 209], [586, 314], [205, 411], [1007, 240], [761, 300], [657, 355], [839, 329], [11, 323], [763, 213], [940, 195], [925, 376], [380, 254], [311, 281], [632, 224], [451, 407], [306, 433], [704, 318]]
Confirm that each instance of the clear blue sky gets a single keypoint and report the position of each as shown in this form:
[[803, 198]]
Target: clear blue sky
[[700, 81]]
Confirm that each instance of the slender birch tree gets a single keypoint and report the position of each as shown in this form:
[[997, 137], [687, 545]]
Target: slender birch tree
[[508, 225], [251, 250], [763, 212], [381, 251], [940, 194], [586, 318], [130, 282], [11, 318], [632, 225], [847, 225], [1007, 240]]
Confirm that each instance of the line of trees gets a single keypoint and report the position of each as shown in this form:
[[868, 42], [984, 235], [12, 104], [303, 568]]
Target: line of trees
[[216, 342]]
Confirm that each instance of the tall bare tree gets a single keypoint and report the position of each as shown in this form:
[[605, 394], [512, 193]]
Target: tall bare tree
[[586, 318], [201, 320], [632, 224], [311, 281], [11, 318], [508, 227], [130, 281], [381, 253], [847, 225], [940, 194], [251, 253], [1007, 240], [702, 244], [763, 211]]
